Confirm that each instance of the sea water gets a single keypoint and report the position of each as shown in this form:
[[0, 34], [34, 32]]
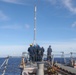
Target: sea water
[[12, 67]]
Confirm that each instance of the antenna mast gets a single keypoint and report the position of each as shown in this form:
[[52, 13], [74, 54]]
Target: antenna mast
[[34, 42]]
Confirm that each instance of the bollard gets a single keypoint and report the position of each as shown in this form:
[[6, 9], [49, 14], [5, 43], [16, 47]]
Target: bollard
[[40, 70]]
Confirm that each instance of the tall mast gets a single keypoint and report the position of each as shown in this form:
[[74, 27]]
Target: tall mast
[[34, 42]]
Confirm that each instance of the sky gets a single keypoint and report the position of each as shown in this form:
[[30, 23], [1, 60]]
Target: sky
[[55, 25]]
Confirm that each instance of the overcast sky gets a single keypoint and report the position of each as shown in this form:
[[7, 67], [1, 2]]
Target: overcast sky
[[56, 25]]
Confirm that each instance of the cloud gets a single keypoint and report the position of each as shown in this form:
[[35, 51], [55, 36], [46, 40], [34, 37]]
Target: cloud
[[60, 46], [74, 24], [12, 50], [57, 47], [69, 5], [13, 1], [15, 26], [10, 27], [66, 3], [3, 16], [27, 26]]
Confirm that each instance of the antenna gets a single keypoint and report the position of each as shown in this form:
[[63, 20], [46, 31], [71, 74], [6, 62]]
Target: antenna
[[34, 42]]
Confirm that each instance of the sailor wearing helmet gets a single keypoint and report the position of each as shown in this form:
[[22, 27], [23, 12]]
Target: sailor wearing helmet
[[31, 53]]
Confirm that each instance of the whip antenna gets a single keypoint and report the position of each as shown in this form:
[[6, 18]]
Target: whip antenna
[[34, 42]]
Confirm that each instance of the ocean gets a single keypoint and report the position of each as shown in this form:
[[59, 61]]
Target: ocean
[[13, 65]]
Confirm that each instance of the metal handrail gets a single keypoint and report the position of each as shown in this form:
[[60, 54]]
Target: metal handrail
[[5, 65]]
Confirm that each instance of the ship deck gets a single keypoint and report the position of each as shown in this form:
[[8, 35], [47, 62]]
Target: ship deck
[[31, 68]]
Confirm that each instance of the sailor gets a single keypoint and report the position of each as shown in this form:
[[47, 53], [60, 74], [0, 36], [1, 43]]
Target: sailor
[[31, 53], [35, 53], [42, 52], [49, 51], [38, 51]]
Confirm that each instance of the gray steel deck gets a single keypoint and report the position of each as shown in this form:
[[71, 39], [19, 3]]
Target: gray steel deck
[[67, 68]]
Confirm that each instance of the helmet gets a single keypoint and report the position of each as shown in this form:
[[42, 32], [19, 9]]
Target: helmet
[[30, 44]]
